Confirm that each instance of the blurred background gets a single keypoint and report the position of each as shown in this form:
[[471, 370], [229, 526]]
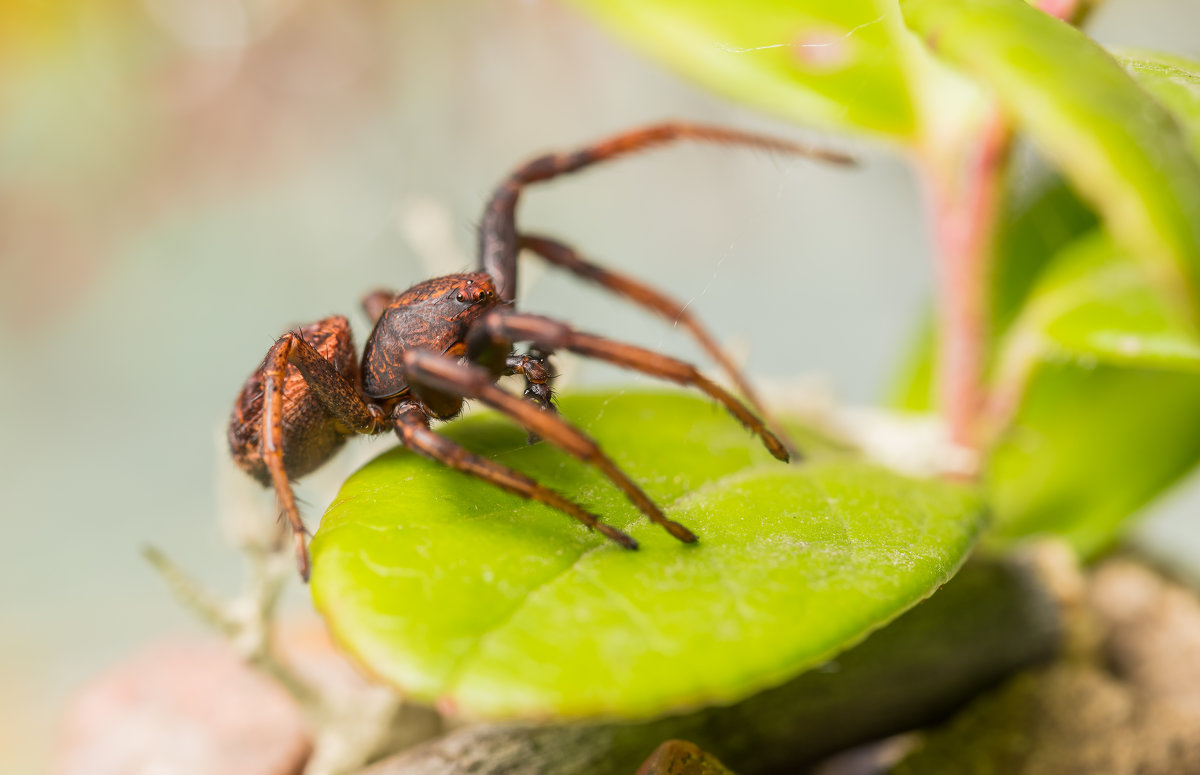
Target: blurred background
[[181, 180]]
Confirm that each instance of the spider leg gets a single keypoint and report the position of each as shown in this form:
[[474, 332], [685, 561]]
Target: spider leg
[[412, 426], [507, 326], [498, 241], [425, 369], [639, 293], [336, 395]]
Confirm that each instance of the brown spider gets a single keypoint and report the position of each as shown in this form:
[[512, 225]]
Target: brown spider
[[449, 339]]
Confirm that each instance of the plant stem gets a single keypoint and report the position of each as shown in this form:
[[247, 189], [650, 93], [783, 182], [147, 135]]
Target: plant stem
[[965, 208], [965, 183], [1072, 11]]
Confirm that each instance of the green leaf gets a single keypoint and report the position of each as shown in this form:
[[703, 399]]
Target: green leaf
[[1094, 305], [459, 593], [838, 64], [1175, 81], [1033, 229], [1089, 447], [1117, 145], [914, 388], [1107, 372]]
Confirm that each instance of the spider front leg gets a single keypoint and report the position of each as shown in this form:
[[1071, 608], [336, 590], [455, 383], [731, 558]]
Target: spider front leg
[[296, 411], [498, 240], [508, 326], [412, 426], [429, 372]]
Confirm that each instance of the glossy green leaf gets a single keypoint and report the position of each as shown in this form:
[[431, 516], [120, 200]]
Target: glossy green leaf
[[1175, 81], [1116, 144], [838, 64], [459, 593]]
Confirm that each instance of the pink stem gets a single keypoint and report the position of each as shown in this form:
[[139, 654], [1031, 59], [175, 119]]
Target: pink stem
[[1062, 9], [965, 205], [965, 209]]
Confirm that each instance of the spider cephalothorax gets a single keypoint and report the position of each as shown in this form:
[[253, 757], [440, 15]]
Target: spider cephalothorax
[[449, 339], [434, 315]]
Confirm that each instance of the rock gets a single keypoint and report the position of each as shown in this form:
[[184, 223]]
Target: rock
[[184, 708], [679, 757], [1129, 705]]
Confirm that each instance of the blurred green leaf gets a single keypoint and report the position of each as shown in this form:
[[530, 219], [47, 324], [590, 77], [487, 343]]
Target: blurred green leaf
[[1116, 144], [1105, 370], [1174, 80], [1030, 233], [838, 64], [1109, 376], [1094, 305], [455, 591], [914, 389], [1037, 224], [1089, 447]]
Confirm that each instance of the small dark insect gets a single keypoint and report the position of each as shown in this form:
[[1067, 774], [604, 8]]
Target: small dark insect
[[449, 339]]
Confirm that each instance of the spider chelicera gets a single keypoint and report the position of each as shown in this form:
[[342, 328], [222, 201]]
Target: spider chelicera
[[451, 338]]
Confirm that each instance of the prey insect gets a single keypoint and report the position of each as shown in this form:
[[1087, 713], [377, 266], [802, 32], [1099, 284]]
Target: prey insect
[[449, 339]]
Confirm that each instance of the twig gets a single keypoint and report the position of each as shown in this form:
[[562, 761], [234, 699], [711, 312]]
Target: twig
[[348, 731], [245, 622], [211, 611]]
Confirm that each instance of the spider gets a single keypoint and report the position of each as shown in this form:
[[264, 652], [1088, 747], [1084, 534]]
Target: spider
[[451, 338]]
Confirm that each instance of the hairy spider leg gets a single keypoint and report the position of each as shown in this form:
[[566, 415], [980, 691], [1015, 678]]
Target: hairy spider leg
[[335, 394], [412, 426], [502, 327], [430, 370], [563, 255], [498, 241]]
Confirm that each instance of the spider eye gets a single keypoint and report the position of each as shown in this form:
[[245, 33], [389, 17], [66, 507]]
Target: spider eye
[[460, 297]]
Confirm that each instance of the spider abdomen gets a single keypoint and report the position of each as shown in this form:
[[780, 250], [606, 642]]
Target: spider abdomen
[[310, 434]]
